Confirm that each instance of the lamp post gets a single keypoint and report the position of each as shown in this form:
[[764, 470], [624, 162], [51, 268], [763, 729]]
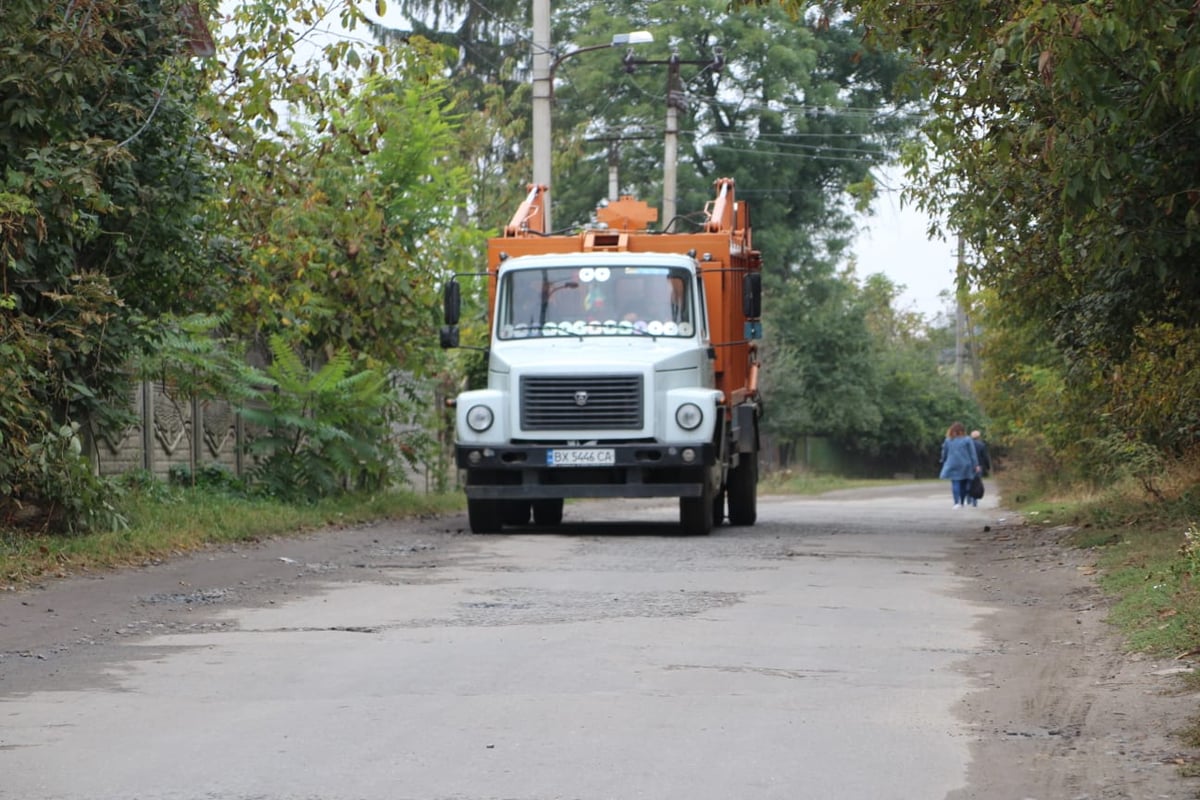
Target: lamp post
[[675, 101], [543, 90]]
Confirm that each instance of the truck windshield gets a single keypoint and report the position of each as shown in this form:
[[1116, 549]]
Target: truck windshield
[[600, 301]]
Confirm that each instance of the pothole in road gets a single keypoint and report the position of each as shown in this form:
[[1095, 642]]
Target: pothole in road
[[539, 607], [200, 597]]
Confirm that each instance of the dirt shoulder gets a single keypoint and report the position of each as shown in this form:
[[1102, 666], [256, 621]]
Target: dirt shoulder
[[1062, 712]]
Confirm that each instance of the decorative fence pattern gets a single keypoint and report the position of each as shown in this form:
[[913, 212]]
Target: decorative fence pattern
[[191, 433], [173, 432]]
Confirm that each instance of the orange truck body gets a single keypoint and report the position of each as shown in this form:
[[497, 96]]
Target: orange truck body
[[725, 237]]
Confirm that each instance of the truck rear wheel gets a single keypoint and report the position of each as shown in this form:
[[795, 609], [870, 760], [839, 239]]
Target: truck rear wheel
[[483, 515], [548, 512], [696, 513], [743, 491]]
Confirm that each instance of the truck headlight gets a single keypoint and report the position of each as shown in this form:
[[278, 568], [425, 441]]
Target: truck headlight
[[480, 418], [689, 416]]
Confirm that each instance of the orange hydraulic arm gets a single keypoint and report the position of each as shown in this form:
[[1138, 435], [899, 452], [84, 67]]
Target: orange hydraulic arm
[[530, 214], [720, 214]]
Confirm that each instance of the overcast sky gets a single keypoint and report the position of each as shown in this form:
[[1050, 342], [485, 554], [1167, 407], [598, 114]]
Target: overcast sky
[[893, 242]]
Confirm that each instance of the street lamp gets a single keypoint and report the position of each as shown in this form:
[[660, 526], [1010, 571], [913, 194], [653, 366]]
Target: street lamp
[[543, 91]]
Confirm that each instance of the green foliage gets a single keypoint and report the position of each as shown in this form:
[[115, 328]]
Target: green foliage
[[1065, 148], [59, 368], [349, 209], [796, 116], [97, 145], [799, 114], [320, 431], [100, 179], [143, 483], [189, 354], [69, 495], [211, 477], [842, 363], [344, 224]]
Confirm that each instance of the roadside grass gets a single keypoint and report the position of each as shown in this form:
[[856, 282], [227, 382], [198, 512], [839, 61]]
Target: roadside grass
[[1147, 548], [812, 483], [165, 521]]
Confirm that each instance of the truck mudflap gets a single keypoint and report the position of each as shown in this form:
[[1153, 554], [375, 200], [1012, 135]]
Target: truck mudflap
[[600, 470]]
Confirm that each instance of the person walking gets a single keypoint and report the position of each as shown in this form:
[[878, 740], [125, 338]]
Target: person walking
[[981, 455], [959, 463]]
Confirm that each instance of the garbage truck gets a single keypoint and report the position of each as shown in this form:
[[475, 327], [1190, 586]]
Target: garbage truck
[[622, 361]]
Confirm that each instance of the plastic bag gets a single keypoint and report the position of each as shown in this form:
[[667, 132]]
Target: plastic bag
[[976, 489]]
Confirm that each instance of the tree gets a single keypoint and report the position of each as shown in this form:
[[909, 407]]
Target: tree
[[337, 225], [342, 198], [102, 181], [1064, 148], [846, 365]]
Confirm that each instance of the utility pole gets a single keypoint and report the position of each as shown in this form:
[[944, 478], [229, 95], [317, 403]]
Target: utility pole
[[543, 86], [545, 62], [675, 101], [614, 170], [614, 161], [960, 317]]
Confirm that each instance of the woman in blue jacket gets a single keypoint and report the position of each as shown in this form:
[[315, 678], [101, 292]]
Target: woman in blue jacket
[[959, 462]]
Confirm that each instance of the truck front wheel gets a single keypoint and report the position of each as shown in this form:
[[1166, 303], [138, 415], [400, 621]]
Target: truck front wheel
[[743, 491], [483, 515]]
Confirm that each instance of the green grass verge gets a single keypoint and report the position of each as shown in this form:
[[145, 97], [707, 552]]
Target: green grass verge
[[166, 522], [807, 483], [1155, 586], [1147, 563]]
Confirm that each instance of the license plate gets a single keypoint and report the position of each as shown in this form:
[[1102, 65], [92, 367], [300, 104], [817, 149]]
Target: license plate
[[590, 457]]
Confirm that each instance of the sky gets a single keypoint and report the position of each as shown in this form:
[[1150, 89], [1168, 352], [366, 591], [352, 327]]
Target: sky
[[893, 242]]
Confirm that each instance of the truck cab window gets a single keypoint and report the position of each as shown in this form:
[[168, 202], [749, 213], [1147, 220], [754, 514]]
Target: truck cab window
[[654, 301]]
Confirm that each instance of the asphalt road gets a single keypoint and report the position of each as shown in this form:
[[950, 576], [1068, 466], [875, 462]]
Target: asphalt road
[[817, 654]]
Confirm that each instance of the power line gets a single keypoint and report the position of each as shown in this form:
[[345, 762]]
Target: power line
[[785, 146]]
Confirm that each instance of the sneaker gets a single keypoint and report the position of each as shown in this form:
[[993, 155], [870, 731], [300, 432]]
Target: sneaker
[[958, 505]]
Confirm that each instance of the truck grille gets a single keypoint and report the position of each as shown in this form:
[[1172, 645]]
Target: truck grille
[[582, 402]]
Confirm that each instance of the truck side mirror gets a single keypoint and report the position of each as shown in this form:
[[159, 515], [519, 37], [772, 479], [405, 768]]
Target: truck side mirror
[[451, 302], [448, 336], [752, 295]]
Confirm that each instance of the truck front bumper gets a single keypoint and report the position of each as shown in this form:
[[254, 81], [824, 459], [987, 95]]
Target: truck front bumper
[[636, 470]]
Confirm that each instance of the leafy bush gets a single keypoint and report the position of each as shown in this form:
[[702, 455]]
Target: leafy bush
[[319, 432], [208, 476], [68, 494], [45, 481]]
